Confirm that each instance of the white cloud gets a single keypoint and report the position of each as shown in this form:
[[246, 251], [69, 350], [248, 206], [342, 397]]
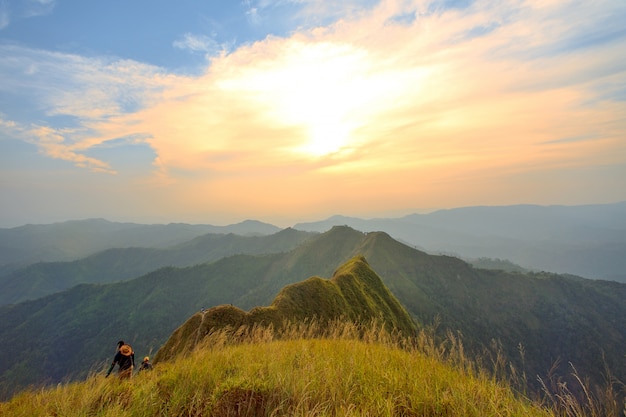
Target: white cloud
[[252, 14], [86, 94], [302, 13], [395, 94], [24, 9], [33, 8], [4, 14], [198, 43]]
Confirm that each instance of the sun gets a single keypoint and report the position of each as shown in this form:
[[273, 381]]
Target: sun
[[318, 98], [319, 89], [325, 124], [325, 138]]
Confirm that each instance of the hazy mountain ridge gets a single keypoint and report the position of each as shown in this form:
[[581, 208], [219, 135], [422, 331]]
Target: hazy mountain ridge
[[121, 264], [554, 317], [585, 240], [354, 293], [588, 240], [76, 239]]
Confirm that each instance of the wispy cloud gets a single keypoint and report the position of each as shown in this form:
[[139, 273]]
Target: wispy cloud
[[4, 14], [34, 8], [54, 143], [303, 13], [199, 43], [75, 98], [24, 9]]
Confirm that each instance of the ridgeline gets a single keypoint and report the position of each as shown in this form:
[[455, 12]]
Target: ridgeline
[[354, 294]]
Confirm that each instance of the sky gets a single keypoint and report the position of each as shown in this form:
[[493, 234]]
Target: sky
[[284, 111]]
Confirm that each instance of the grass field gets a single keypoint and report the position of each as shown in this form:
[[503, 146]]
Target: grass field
[[350, 371]]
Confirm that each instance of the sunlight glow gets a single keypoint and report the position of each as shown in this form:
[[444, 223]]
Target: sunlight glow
[[326, 136], [326, 90], [451, 106]]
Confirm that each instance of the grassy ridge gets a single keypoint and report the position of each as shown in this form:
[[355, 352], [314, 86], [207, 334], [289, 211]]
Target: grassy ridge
[[354, 293], [350, 372]]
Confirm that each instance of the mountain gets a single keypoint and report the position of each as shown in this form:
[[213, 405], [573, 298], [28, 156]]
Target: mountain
[[553, 317], [355, 293], [115, 265], [71, 240], [588, 240]]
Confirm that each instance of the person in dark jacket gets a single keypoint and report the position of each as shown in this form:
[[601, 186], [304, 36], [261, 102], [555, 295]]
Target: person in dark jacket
[[145, 365], [125, 359]]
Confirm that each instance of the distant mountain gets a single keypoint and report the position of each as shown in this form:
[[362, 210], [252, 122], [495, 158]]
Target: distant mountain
[[115, 265], [553, 317], [588, 241], [76, 239], [355, 293]]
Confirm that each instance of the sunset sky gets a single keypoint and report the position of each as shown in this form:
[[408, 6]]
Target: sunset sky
[[156, 111]]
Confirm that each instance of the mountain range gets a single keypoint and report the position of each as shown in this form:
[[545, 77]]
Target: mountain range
[[588, 241], [554, 319], [76, 239], [120, 264]]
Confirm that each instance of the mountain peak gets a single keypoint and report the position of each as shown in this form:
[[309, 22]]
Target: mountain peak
[[354, 293]]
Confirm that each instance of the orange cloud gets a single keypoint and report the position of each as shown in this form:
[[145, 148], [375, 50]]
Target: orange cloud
[[376, 111]]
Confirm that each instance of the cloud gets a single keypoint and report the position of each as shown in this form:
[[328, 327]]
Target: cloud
[[53, 143], [252, 14], [33, 8], [198, 43], [24, 9], [302, 14], [396, 101], [377, 99], [76, 100], [5, 19]]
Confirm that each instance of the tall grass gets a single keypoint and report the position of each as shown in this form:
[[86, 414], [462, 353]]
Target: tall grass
[[302, 369], [580, 400]]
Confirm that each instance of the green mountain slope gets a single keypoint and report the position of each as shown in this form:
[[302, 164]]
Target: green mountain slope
[[355, 293], [115, 265], [36, 336], [553, 317]]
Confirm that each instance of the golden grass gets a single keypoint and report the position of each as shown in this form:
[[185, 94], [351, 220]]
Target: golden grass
[[341, 370]]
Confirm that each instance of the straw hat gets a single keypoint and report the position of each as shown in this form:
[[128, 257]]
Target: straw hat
[[126, 350]]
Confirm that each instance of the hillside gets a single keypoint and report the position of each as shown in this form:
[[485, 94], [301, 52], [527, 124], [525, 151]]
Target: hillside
[[355, 294], [588, 240], [553, 317], [114, 265], [301, 377]]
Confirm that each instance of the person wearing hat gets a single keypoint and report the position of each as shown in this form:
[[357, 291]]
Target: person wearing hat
[[125, 358], [145, 365]]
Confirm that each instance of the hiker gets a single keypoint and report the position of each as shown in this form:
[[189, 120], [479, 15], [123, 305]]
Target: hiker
[[125, 358], [145, 365]]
